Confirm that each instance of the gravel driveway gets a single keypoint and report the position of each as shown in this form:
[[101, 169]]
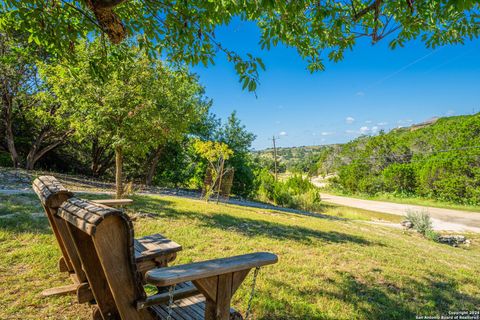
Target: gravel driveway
[[443, 219]]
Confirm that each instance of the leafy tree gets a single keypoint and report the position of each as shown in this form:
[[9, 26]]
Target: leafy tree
[[183, 107], [215, 153], [15, 72], [33, 122], [236, 136], [184, 31], [50, 124], [130, 103]]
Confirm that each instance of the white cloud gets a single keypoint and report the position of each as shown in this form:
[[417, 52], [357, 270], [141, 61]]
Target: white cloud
[[349, 131], [349, 120], [368, 121], [374, 129], [450, 112], [360, 93], [282, 133], [327, 133], [364, 130], [381, 124]]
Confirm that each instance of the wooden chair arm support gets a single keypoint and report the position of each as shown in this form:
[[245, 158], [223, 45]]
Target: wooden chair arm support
[[161, 298], [114, 202], [163, 277]]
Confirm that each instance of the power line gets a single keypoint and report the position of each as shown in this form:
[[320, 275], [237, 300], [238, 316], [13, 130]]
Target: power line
[[477, 156], [423, 153], [275, 156]]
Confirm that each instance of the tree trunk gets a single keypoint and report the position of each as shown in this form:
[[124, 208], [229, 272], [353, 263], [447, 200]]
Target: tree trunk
[[7, 104], [220, 181], [102, 158], [118, 171], [36, 152], [152, 165], [11, 146]]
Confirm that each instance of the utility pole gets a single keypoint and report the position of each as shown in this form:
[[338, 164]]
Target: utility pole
[[275, 156]]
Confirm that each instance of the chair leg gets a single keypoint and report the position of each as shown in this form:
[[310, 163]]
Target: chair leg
[[60, 291], [218, 293]]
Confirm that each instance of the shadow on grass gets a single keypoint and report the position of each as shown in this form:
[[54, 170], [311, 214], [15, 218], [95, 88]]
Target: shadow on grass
[[432, 295], [159, 208], [251, 227]]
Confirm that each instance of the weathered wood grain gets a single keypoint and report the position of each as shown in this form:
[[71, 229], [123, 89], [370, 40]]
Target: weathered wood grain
[[198, 270], [114, 202]]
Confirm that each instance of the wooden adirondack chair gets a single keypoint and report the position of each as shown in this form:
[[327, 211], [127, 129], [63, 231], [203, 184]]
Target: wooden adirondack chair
[[103, 238], [150, 251]]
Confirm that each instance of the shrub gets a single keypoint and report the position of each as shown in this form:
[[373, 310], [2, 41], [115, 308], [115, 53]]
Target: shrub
[[399, 177], [421, 221], [451, 188], [296, 192], [350, 175], [265, 185], [298, 185], [432, 235], [5, 160], [309, 200], [370, 185]]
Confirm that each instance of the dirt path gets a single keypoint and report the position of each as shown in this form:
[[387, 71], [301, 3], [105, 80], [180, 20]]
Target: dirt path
[[443, 219]]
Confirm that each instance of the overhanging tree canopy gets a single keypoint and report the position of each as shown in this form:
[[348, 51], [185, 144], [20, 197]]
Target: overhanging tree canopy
[[184, 31]]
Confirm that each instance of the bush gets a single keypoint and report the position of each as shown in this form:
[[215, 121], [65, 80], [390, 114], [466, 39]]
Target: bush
[[5, 160], [400, 178], [452, 188], [265, 185], [432, 235], [309, 200], [421, 221], [350, 175], [370, 185], [296, 192]]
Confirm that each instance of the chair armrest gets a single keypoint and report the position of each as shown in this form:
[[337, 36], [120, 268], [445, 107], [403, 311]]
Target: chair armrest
[[152, 246], [199, 270], [114, 202]]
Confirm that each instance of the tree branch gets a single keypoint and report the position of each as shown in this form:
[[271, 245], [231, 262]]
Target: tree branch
[[364, 11]]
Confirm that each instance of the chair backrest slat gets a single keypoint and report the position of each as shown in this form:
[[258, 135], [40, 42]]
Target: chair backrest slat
[[52, 194], [104, 240]]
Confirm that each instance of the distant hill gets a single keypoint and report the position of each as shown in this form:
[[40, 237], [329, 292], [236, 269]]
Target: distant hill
[[292, 158], [302, 157], [437, 159]]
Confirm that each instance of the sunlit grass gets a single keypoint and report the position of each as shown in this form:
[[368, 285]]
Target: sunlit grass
[[329, 268]]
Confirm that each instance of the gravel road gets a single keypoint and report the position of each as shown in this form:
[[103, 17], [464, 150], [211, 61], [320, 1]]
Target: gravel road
[[443, 219]]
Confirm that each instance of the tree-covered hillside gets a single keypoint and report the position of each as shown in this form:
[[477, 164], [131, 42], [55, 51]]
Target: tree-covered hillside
[[440, 160], [293, 159]]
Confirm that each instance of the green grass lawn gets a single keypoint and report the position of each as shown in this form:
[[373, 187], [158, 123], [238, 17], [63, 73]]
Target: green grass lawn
[[330, 267]]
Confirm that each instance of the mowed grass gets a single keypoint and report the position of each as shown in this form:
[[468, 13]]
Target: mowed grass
[[329, 267]]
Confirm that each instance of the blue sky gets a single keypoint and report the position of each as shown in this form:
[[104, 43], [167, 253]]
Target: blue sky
[[373, 88]]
